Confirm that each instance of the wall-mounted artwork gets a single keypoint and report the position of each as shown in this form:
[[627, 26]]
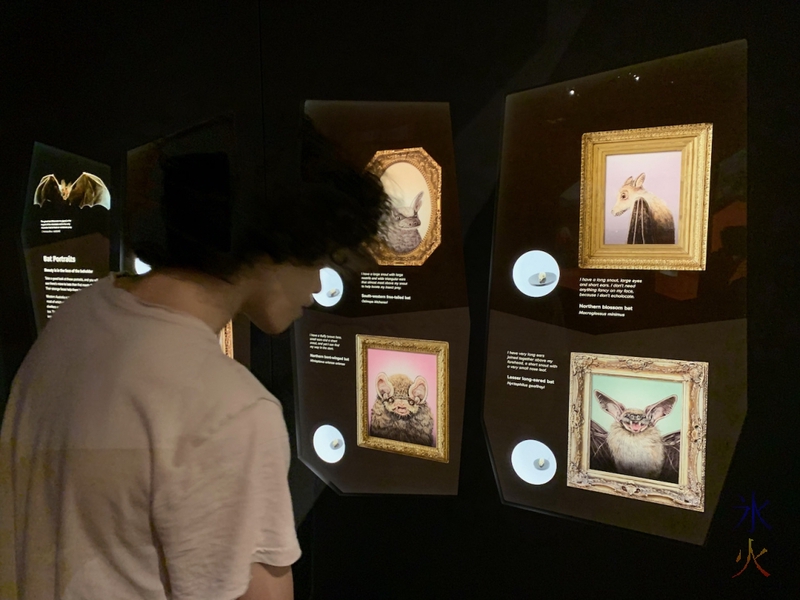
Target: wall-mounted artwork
[[644, 198], [413, 228], [403, 396], [637, 428]]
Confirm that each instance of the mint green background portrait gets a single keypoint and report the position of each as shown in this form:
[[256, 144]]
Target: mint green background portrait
[[637, 392]]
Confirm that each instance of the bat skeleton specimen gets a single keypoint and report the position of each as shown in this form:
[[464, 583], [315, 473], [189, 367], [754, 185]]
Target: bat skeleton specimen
[[400, 411], [633, 445], [86, 190], [651, 220], [401, 233]]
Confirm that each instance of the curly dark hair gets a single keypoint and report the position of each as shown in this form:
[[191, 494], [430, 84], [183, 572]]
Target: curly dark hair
[[330, 210]]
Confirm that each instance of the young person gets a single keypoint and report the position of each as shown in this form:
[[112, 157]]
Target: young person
[[136, 459]]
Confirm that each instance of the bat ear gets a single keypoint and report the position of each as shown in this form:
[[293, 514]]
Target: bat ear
[[660, 409], [419, 389], [384, 386], [639, 181], [418, 202], [611, 406], [628, 181]]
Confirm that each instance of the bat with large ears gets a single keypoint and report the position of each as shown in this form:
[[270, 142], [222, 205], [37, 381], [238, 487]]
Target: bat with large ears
[[636, 420], [633, 445]]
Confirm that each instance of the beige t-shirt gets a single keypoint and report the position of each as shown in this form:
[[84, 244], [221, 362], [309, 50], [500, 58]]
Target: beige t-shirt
[[137, 461]]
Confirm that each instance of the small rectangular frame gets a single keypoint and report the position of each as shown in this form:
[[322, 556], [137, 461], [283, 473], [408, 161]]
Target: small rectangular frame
[[689, 251], [689, 492], [441, 350]]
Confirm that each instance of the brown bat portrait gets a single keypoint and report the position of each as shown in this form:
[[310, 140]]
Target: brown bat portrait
[[400, 411], [633, 445], [403, 396]]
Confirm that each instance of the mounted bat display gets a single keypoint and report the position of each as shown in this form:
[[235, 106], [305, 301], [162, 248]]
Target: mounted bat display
[[86, 190]]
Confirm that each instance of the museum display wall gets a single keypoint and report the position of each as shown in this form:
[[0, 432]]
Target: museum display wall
[[617, 345], [381, 357], [558, 375]]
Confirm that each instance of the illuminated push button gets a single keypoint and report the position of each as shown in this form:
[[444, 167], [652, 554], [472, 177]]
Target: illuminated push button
[[332, 287], [140, 267], [533, 462], [535, 273], [329, 443]]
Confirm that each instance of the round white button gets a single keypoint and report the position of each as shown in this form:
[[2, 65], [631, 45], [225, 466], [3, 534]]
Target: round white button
[[533, 462], [329, 443]]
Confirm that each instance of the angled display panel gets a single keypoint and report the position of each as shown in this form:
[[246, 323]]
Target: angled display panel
[[381, 357], [66, 227], [617, 349]]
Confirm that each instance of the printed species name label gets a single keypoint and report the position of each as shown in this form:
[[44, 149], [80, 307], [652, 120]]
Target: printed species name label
[[597, 288], [529, 370], [325, 344], [382, 282]]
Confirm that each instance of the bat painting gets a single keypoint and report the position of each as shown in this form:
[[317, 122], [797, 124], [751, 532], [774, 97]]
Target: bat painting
[[651, 220], [402, 223], [400, 411], [633, 445], [86, 190]]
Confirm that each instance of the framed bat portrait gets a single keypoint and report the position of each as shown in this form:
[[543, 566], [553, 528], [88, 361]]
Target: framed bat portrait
[[644, 198], [403, 396], [413, 228], [637, 428]]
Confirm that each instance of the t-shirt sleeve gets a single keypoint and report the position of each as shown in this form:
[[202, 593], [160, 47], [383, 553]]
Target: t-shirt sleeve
[[224, 503]]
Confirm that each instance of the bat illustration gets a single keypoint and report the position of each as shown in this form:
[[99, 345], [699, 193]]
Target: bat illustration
[[402, 222], [86, 190], [633, 445], [651, 220], [400, 412]]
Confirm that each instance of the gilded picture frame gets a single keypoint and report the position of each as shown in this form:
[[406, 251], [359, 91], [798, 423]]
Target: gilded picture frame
[[650, 220], [401, 241], [402, 364], [226, 339], [630, 447]]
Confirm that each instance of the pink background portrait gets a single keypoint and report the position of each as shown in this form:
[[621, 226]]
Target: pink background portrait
[[662, 177], [411, 364]]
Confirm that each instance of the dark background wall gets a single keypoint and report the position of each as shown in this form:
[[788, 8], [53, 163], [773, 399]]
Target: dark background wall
[[100, 81]]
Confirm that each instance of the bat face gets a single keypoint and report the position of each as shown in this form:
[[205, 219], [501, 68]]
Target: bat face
[[629, 191], [636, 420], [401, 396], [65, 189]]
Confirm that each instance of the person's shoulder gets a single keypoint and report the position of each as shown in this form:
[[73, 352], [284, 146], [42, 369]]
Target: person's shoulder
[[229, 391], [222, 376]]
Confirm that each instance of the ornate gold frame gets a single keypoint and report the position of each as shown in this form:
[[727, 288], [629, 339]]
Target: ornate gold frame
[[689, 253], [432, 173], [689, 492], [441, 452], [226, 339]]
